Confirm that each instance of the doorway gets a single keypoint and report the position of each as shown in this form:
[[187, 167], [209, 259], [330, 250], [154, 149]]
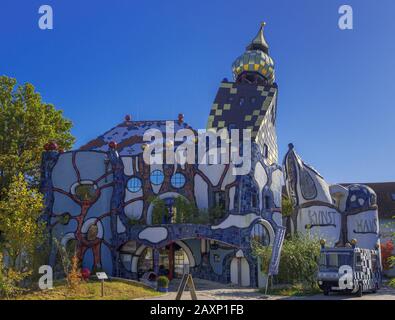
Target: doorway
[[240, 272], [172, 260]]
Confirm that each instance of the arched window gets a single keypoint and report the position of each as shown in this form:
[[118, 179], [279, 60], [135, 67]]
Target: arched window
[[157, 177], [178, 180], [260, 234], [134, 184]]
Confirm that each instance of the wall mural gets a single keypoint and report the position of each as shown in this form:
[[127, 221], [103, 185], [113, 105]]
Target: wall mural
[[333, 212]]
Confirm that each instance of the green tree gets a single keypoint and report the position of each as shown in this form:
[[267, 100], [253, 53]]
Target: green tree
[[26, 125], [21, 232]]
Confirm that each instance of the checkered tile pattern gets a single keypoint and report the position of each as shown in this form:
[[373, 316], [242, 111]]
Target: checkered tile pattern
[[366, 276], [267, 135], [247, 106], [254, 61], [242, 105]]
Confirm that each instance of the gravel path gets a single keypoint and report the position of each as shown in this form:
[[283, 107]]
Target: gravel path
[[208, 290]]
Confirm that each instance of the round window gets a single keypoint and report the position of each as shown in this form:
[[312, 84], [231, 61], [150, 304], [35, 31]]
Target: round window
[[134, 184], [157, 177], [178, 180]]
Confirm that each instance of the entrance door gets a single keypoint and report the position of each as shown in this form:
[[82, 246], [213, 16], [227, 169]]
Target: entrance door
[[240, 272], [180, 262]]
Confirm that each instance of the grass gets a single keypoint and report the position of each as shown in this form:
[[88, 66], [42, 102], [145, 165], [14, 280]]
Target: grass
[[294, 290], [91, 290]]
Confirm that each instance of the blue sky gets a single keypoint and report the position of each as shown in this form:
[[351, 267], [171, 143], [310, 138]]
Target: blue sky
[[155, 59]]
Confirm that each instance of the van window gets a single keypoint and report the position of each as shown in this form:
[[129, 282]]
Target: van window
[[358, 262], [374, 262]]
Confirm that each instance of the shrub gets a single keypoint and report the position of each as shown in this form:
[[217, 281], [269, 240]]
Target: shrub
[[158, 211], [299, 260], [85, 274], [263, 253], [74, 276], [201, 217], [163, 282], [185, 210], [216, 213], [386, 252], [286, 207], [9, 281], [132, 221]]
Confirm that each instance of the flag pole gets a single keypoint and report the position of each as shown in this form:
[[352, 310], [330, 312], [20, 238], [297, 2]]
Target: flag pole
[[267, 284]]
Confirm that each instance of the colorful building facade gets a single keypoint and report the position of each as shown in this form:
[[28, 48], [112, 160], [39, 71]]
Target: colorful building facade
[[128, 217]]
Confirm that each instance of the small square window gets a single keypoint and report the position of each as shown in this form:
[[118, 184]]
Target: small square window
[[393, 196]]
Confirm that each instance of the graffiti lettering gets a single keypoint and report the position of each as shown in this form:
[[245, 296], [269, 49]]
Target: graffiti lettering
[[366, 226], [321, 218]]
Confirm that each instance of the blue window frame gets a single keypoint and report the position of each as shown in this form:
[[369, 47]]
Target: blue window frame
[[178, 180], [134, 184], [157, 177]]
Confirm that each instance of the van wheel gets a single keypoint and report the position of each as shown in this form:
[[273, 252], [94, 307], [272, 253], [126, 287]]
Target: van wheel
[[326, 292], [360, 290]]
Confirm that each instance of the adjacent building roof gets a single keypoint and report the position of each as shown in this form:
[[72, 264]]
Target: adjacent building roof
[[385, 192]]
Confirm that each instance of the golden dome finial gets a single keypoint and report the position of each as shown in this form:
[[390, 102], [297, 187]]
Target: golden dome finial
[[259, 42], [256, 59]]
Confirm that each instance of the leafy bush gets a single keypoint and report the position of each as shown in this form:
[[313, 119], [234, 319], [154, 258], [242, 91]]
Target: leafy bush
[[22, 234], [286, 207], [299, 260], [74, 277], [10, 280], [163, 282], [216, 213], [264, 253], [185, 211], [386, 252], [132, 221], [159, 209]]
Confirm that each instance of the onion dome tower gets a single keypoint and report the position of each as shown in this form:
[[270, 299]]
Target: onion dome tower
[[250, 102], [255, 65]]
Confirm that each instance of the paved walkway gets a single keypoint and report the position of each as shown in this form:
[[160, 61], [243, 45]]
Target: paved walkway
[[208, 290]]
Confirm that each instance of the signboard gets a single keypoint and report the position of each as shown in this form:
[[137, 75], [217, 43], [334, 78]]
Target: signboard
[[101, 275], [276, 251], [186, 281]]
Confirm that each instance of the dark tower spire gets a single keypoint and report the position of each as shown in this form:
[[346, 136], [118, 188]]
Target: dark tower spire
[[255, 65], [259, 42]]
